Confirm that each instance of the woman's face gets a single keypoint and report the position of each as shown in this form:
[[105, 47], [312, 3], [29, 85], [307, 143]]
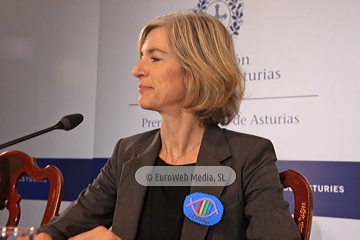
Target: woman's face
[[161, 79]]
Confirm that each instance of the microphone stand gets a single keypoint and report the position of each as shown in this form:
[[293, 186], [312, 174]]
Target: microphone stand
[[59, 125]]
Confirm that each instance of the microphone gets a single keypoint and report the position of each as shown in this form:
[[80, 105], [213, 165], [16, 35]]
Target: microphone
[[66, 123]]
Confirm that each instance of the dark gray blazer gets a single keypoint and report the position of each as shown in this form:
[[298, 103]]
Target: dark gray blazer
[[254, 205]]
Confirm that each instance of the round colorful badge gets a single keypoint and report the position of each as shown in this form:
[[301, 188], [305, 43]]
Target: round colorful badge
[[202, 208]]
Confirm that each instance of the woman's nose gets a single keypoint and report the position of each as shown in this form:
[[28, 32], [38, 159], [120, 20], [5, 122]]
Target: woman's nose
[[139, 69]]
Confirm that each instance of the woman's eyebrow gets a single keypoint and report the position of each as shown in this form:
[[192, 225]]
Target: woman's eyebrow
[[152, 50]]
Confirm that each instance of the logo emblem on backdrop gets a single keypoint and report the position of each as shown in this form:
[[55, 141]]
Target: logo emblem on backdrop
[[229, 12]]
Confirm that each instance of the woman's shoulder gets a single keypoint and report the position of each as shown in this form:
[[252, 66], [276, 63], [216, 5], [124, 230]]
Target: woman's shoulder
[[234, 135], [139, 137], [133, 140], [246, 136], [240, 138]]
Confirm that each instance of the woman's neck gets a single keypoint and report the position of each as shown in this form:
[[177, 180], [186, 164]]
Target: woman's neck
[[181, 139]]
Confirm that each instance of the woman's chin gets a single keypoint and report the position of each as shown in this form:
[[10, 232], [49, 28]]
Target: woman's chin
[[145, 106]]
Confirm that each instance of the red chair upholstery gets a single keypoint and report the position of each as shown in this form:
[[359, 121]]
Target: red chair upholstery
[[13, 165], [303, 207]]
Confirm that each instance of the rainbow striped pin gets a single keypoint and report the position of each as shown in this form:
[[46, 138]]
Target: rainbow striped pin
[[202, 208]]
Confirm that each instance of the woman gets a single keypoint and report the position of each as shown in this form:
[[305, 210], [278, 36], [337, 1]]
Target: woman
[[188, 72]]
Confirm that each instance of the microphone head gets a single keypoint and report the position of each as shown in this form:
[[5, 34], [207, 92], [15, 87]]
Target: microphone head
[[70, 121]]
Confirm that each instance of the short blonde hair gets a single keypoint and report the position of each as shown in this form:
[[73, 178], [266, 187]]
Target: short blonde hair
[[205, 49]]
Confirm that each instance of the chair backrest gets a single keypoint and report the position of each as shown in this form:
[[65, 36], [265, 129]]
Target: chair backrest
[[13, 165], [303, 207]]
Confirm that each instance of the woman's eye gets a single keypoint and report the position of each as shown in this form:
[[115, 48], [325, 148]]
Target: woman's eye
[[153, 59]]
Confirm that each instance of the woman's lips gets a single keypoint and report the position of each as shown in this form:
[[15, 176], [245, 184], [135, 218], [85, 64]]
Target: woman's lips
[[143, 88]]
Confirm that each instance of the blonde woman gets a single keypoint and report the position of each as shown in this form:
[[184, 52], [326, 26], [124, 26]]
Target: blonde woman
[[188, 73]]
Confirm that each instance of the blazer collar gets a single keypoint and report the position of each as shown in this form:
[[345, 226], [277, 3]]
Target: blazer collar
[[213, 150]]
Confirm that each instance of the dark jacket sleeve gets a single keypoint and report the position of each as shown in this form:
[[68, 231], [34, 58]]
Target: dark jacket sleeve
[[94, 206], [267, 212]]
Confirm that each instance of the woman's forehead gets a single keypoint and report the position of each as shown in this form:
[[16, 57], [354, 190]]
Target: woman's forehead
[[156, 41]]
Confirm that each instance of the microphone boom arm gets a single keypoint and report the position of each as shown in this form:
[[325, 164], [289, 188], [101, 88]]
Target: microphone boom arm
[[28, 137], [67, 123]]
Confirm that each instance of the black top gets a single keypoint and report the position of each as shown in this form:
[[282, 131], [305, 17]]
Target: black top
[[162, 215]]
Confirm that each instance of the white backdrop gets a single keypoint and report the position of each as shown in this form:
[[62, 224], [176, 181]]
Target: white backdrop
[[62, 57]]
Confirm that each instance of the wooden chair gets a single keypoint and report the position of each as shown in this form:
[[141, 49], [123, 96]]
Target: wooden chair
[[13, 165], [303, 207]]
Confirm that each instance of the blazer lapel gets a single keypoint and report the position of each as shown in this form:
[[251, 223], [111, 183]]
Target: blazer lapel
[[214, 149], [132, 193]]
